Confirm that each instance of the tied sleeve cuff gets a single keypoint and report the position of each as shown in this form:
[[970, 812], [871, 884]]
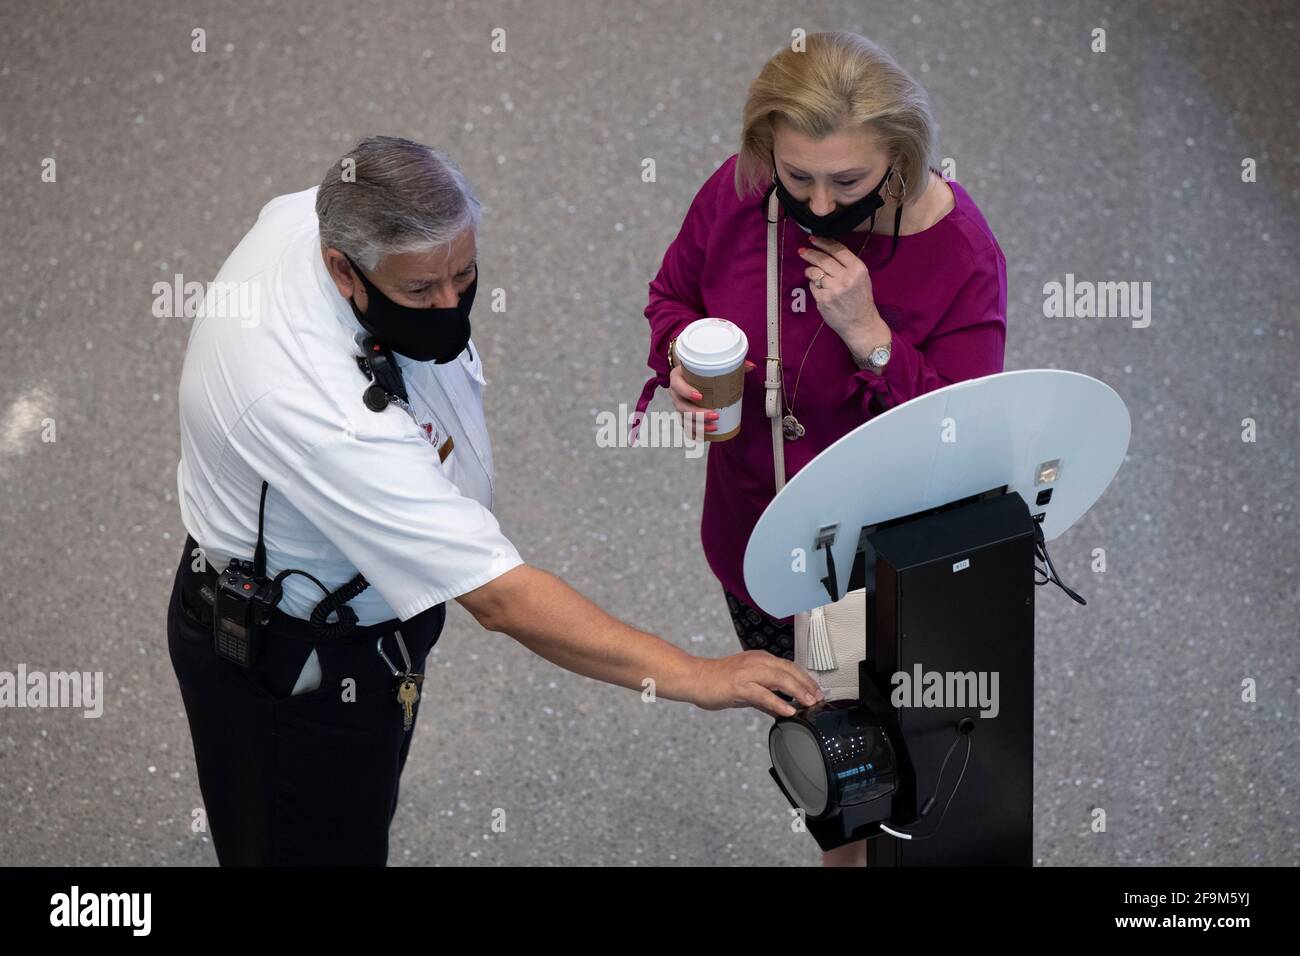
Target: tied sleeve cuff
[[891, 387], [659, 365], [647, 392]]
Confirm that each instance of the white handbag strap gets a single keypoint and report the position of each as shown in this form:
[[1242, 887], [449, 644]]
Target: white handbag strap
[[772, 382]]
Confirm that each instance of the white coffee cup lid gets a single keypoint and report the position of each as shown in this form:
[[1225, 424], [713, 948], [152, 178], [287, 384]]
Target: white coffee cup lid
[[712, 343]]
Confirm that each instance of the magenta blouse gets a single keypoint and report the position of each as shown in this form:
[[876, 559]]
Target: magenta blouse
[[944, 297]]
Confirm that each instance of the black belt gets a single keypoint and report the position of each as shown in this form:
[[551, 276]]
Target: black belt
[[199, 590]]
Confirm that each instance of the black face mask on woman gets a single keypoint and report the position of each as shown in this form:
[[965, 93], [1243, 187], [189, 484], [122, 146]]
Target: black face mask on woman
[[437, 334], [841, 220]]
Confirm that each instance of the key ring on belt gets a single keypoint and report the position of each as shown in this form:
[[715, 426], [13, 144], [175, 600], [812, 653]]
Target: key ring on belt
[[408, 684], [406, 657]]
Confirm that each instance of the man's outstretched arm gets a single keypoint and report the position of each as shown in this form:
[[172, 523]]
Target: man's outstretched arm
[[554, 621]]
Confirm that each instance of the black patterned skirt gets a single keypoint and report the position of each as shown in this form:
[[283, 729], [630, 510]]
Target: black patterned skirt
[[757, 631]]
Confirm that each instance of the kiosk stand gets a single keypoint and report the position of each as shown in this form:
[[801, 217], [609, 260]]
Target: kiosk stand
[[939, 508]]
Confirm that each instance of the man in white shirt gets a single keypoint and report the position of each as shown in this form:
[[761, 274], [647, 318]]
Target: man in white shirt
[[332, 433]]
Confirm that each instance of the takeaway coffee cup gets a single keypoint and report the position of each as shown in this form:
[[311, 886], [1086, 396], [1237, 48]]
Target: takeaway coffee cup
[[712, 354]]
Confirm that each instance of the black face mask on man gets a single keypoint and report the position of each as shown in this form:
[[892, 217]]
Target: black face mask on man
[[843, 219], [433, 334]]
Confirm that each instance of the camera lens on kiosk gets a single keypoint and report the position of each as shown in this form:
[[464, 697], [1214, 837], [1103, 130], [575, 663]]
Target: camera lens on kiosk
[[831, 757]]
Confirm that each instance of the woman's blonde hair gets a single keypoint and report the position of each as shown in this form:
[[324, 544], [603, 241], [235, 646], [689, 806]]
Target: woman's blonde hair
[[839, 79]]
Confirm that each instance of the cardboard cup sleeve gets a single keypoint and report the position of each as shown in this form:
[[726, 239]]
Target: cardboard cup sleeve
[[717, 391]]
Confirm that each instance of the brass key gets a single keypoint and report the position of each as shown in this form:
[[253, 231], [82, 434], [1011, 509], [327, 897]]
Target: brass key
[[407, 695], [408, 684]]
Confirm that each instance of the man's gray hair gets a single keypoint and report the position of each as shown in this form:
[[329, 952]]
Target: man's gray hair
[[394, 196]]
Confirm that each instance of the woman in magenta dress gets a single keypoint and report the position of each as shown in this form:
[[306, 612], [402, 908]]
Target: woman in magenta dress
[[891, 284]]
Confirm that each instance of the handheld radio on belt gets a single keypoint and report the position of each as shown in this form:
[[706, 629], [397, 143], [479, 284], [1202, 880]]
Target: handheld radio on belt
[[244, 602], [245, 596]]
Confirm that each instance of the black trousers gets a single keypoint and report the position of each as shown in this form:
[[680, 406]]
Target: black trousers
[[305, 780]]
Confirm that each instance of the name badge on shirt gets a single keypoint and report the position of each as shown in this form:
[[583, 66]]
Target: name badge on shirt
[[445, 448]]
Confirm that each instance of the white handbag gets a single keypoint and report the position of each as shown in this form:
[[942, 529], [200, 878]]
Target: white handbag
[[829, 640]]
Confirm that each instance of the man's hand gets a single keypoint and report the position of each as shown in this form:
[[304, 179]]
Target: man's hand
[[748, 679]]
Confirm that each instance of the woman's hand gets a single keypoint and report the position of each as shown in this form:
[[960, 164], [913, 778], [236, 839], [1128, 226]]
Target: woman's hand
[[845, 299], [684, 397], [748, 679]]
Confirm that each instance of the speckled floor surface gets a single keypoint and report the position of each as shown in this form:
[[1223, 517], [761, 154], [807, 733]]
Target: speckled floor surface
[[1123, 165]]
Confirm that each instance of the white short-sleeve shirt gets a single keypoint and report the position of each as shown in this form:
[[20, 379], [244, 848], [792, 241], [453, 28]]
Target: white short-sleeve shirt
[[271, 390]]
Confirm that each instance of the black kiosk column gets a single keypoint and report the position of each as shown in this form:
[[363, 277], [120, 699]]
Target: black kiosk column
[[933, 763], [954, 600]]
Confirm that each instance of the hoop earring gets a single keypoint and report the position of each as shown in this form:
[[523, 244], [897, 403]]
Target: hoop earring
[[901, 179]]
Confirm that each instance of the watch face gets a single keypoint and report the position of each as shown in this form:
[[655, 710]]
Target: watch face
[[879, 356]]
